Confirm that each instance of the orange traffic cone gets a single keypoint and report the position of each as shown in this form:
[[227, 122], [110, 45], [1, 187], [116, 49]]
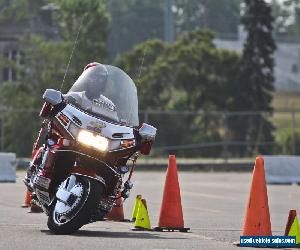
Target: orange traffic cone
[[117, 213], [257, 218], [27, 199], [171, 216]]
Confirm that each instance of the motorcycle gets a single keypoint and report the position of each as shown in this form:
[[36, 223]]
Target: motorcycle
[[81, 155]]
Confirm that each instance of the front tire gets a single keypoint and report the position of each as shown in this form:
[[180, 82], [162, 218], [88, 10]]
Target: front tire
[[66, 219]]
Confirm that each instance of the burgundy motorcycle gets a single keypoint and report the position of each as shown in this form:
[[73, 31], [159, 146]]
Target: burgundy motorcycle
[[81, 155]]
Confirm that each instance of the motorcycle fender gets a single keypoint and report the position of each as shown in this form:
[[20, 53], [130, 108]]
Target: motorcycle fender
[[87, 173]]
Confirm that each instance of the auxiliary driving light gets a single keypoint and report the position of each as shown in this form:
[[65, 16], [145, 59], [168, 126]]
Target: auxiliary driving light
[[90, 139]]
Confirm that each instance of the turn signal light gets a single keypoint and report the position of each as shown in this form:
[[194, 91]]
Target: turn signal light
[[127, 143]]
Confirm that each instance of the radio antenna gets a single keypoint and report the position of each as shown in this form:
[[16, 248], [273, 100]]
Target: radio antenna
[[72, 52], [141, 66]]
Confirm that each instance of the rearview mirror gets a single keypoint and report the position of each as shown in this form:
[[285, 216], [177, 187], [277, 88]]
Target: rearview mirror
[[147, 132], [53, 96]]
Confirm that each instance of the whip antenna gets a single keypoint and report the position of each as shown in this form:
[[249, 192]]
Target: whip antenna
[[141, 66], [72, 52]]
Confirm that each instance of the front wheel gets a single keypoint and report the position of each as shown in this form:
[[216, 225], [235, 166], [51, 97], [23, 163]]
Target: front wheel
[[75, 202]]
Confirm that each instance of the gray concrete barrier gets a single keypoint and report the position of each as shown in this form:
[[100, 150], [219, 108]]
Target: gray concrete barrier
[[282, 169], [216, 167], [7, 167]]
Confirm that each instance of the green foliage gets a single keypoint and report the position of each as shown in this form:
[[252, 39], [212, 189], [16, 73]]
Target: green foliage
[[189, 75], [35, 76], [255, 79], [44, 64], [89, 20], [257, 64], [135, 21], [140, 64], [193, 75], [18, 10], [173, 76], [289, 143]]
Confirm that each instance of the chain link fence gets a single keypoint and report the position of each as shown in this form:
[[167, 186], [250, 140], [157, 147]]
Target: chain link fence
[[225, 134], [187, 134]]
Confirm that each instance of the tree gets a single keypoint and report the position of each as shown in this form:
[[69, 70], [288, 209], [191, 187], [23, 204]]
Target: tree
[[45, 63], [257, 62], [185, 76], [138, 63], [133, 22], [19, 10], [21, 126], [88, 20], [255, 82]]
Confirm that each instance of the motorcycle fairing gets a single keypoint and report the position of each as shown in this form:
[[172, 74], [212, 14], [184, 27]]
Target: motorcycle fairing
[[104, 128]]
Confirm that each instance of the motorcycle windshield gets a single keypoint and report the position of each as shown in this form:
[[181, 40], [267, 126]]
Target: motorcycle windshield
[[106, 91]]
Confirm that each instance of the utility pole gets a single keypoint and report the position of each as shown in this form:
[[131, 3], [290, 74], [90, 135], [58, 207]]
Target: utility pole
[[169, 24], [293, 142], [2, 134]]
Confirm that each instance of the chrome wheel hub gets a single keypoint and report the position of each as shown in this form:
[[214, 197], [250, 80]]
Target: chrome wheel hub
[[70, 198]]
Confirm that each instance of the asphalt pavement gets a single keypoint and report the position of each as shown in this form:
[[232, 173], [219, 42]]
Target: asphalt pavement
[[213, 207]]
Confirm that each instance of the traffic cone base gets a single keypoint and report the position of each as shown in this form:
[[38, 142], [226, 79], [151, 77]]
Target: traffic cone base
[[142, 222], [136, 228], [172, 229]]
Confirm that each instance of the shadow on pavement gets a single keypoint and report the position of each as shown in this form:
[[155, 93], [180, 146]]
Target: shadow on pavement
[[109, 234]]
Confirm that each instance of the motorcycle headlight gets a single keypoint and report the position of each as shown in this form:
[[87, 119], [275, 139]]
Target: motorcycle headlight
[[90, 139]]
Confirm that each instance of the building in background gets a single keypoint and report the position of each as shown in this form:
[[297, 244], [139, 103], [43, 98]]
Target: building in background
[[287, 55], [287, 60], [10, 33]]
